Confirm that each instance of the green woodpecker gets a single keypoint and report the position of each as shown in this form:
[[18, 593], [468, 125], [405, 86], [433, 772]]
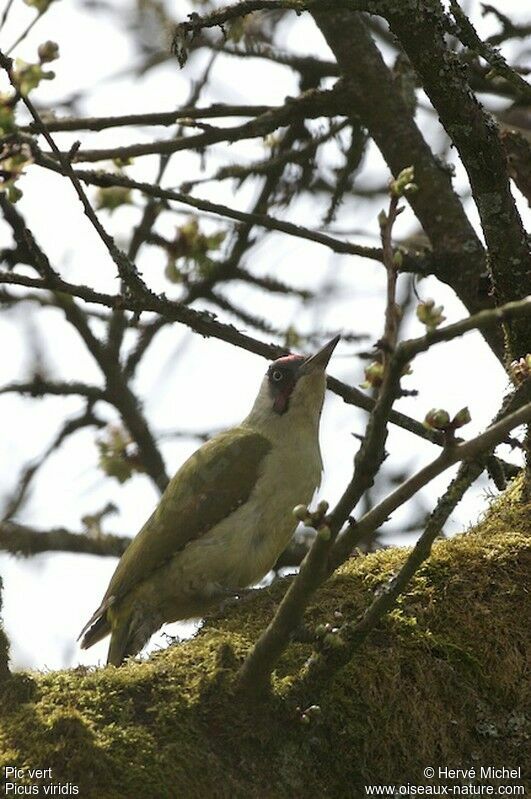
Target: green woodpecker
[[226, 515]]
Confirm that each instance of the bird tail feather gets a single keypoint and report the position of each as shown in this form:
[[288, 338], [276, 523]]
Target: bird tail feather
[[119, 646], [123, 621], [131, 629], [100, 629]]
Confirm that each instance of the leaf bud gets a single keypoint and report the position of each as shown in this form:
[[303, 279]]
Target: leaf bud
[[301, 513], [48, 51], [461, 418], [430, 314], [437, 419], [373, 375]]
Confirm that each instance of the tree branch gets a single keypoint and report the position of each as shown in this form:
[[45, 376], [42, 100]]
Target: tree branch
[[187, 30], [117, 389], [469, 471], [4, 647], [164, 118], [309, 105], [20, 539], [478, 144], [39, 387], [469, 37], [126, 270], [458, 257], [70, 426]]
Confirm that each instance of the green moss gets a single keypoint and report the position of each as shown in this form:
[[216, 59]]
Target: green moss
[[440, 681]]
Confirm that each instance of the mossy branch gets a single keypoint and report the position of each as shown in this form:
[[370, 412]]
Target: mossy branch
[[325, 555], [468, 472], [447, 667]]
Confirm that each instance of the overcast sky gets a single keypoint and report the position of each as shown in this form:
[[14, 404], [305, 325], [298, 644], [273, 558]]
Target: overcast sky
[[187, 382]]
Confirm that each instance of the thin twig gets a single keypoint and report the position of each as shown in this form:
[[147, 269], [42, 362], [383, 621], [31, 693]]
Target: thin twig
[[26, 30], [185, 31], [311, 104], [117, 389], [139, 237], [40, 387], [5, 13], [391, 321], [17, 498]]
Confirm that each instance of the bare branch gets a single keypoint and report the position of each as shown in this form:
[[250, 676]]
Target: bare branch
[[309, 105], [409, 348], [207, 325], [308, 66], [164, 118], [21, 539], [195, 23], [469, 37], [39, 387], [458, 258], [117, 390]]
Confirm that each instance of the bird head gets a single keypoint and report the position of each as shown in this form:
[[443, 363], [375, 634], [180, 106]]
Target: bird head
[[293, 386]]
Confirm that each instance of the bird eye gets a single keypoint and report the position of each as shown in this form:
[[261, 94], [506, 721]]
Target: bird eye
[[277, 375]]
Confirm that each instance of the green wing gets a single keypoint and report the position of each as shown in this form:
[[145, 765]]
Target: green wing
[[209, 486]]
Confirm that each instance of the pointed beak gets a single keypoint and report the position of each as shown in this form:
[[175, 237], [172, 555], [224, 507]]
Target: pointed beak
[[319, 361]]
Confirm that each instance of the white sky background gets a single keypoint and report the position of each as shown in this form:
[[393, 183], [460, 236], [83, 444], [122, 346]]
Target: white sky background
[[187, 382]]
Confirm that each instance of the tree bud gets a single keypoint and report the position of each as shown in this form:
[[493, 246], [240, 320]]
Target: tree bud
[[48, 51], [373, 375], [461, 418], [301, 513], [404, 183], [437, 419], [521, 369], [430, 314]]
